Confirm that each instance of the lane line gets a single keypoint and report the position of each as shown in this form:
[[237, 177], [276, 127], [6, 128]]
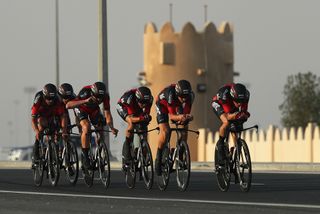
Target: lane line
[[257, 184], [260, 204]]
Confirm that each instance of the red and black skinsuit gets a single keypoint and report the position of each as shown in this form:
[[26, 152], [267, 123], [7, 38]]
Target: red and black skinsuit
[[91, 110], [128, 105], [168, 103], [41, 109], [222, 102]]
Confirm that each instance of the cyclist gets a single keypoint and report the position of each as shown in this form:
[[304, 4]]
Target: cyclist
[[87, 109], [66, 93], [174, 102], [134, 107], [46, 106], [230, 103]]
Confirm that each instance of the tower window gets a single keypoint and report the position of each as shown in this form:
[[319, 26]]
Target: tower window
[[167, 53]]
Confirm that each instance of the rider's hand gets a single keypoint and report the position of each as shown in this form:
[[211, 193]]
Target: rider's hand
[[248, 114], [38, 135], [114, 131], [65, 137], [91, 99], [242, 115], [146, 117], [189, 117], [185, 118]]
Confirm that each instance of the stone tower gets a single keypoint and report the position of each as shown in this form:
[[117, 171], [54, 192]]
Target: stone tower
[[204, 58]]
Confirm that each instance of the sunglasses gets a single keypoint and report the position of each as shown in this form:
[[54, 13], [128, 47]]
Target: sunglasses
[[99, 96], [66, 97], [239, 101], [185, 96], [49, 98]]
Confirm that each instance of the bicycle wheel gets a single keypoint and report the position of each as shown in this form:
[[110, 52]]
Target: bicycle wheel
[[88, 174], [163, 179], [72, 166], [243, 165], [104, 165], [146, 165], [222, 172], [53, 164], [130, 175], [182, 164], [38, 168]]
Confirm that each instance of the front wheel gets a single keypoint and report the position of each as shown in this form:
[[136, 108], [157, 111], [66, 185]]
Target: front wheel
[[243, 165], [71, 163], [38, 168], [130, 175], [182, 163], [146, 165], [163, 179], [130, 170], [53, 165], [88, 173], [104, 165], [222, 171]]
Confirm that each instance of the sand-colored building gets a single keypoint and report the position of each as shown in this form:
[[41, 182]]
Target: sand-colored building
[[205, 58]]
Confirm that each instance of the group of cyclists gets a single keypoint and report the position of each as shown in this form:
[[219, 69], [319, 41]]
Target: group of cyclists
[[173, 103]]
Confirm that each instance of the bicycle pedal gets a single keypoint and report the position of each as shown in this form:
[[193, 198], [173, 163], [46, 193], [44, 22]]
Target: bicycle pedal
[[218, 169], [125, 168]]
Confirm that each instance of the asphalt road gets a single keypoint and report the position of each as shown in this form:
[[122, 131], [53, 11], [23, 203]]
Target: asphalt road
[[270, 193]]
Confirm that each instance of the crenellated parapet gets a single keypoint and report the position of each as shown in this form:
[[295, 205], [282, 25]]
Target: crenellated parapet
[[219, 39], [225, 30], [272, 145]]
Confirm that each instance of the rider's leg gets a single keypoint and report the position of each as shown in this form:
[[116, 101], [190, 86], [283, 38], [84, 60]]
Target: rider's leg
[[163, 135], [234, 141], [85, 141], [126, 153], [221, 141], [41, 123]]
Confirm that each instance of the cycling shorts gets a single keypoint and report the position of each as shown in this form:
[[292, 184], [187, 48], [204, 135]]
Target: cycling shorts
[[162, 113], [217, 108], [123, 112], [95, 117]]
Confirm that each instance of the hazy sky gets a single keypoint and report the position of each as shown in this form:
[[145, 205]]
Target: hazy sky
[[272, 39]]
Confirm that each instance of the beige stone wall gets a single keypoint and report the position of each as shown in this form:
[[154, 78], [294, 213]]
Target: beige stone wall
[[272, 145], [204, 57]]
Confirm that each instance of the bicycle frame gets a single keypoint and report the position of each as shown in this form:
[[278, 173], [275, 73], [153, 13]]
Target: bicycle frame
[[237, 162], [141, 161], [48, 152], [179, 139], [182, 163]]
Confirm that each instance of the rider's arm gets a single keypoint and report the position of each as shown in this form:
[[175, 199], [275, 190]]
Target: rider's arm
[[109, 121], [34, 115], [243, 115], [133, 119], [34, 123], [64, 122], [231, 116], [75, 103], [180, 117], [108, 115]]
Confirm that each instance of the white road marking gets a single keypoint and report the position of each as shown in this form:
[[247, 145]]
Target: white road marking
[[260, 204], [257, 184]]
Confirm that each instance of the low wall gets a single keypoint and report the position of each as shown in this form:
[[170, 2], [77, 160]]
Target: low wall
[[273, 145]]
